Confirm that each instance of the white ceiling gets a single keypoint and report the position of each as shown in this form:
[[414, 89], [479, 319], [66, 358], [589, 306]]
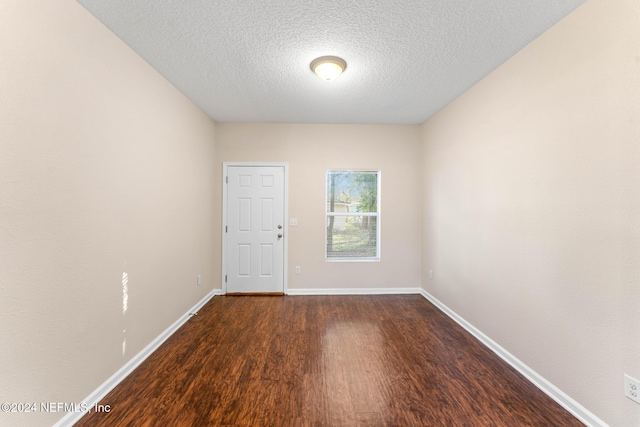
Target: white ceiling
[[248, 60]]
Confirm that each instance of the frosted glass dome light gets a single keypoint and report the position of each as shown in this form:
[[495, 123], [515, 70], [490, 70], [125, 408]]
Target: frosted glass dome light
[[328, 67]]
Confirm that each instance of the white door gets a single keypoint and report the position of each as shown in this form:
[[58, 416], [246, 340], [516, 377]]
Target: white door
[[255, 229]]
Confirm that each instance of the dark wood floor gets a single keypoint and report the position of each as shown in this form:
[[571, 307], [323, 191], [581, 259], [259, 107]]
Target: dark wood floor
[[325, 361]]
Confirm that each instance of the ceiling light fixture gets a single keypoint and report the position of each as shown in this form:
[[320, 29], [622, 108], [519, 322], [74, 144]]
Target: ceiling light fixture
[[328, 67]]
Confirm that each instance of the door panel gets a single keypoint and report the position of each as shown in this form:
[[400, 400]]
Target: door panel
[[255, 229], [266, 260]]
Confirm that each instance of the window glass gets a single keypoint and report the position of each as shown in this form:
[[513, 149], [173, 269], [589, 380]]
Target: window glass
[[352, 191], [352, 215]]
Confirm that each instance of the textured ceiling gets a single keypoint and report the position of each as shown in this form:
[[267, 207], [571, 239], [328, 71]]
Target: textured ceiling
[[248, 60]]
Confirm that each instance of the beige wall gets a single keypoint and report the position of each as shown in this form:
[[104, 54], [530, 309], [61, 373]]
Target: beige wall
[[312, 149], [532, 206], [105, 168]]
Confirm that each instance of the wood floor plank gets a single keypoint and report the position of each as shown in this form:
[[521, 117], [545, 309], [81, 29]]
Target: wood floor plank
[[392, 360]]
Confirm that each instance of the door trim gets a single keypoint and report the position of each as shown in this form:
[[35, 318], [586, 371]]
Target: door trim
[[225, 166]]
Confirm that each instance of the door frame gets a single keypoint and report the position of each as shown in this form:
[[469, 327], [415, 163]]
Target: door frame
[[225, 167]]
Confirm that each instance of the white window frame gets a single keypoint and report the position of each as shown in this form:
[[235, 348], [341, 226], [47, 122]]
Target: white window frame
[[377, 215]]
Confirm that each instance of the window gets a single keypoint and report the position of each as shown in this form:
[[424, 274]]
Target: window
[[353, 221]]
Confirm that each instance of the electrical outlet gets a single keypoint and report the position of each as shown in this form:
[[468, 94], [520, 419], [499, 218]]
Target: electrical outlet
[[431, 274], [632, 388], [199, 280], [297, 269]]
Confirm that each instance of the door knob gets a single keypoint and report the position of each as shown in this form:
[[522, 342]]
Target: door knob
[[279, 227], [279, 236]]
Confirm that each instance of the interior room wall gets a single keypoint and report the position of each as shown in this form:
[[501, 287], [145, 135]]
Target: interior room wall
[[532, 206], [106, 180], [312, 149]]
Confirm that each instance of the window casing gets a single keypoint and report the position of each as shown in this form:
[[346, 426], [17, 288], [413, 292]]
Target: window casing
[[352, 215]]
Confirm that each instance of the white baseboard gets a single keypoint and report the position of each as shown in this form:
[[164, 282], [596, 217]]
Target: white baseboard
[[353, 291], [579, 411], [99, 393]]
